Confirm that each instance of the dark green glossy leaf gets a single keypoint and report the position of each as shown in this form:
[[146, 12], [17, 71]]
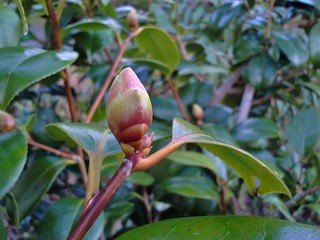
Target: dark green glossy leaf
[[86, 135], [20, 63], [314, 46], [246, 47], [165, 108], [90, 25], [254, 129], [223, 15], [141, 178], [36, 181], [292, 45], [224, 227], [10, 27], [192, 158], [193, 69], [217, 114], [303, 133], [258, 177], [197, 187], [158, 46], [261, 72], [13, 156], [61, 216]]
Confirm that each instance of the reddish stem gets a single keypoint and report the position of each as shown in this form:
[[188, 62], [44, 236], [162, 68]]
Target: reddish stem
[[97, 203], [178, 99], [108, 80], [53, 150]]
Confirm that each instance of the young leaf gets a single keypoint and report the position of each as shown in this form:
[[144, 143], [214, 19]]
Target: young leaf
[[31, 65], [35, 182], [224, 227], [258, 177], [13, 156], [314, 46]]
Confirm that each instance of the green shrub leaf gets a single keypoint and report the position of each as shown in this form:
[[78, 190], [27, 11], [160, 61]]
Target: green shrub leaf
[[224, 227], [258, 177], [60, 218], [36, 181], [10, 27], [17, 69], [13, 156]]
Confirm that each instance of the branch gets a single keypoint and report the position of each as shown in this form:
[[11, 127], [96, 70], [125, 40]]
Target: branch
[[246, 103], [178, 99], [53, 150], [109, 78], [269, 23], [226, 86], [301, 195], [97, 203]]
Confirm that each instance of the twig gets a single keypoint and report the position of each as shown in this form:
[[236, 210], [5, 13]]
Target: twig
[[53, 150], [147, 204], [178, 99], [97, 203], [108, 80], [54, 20], [269, 23], [301, 195], [246, 103], [226, 86]]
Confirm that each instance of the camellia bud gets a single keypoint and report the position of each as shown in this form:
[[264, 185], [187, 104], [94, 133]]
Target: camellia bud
[[197, 113], [129, 112], [132, 20], [7, 122]]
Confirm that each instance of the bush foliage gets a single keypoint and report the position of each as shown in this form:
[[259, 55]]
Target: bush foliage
[[245, 72]]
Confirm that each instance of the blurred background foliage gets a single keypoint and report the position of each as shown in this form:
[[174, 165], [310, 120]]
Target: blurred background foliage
[[246, 72]]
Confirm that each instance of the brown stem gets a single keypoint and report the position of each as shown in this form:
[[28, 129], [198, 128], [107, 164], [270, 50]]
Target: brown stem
[[301, 195], [147, 204], [53, 150], [178, 99], [54, 21], [246, 102], [97, 203], [109, 78], [269, 23], [226, 86]]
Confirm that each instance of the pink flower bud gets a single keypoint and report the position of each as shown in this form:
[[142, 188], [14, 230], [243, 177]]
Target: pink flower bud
[[129, 110], [7, 122], [197, 113]]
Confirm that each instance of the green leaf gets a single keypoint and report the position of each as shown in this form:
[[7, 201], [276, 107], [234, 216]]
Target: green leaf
[[158, 46], [280, 205], [261, 72], [10, 27], [61, 216], [31, 65], [314, 46], [257, 176], [13, 156], [224, 227], [86, 135], [36, 181], [292, 45], [165, 108], [223, 15], [192, 158], [142, 178], [254, 129], [197, 187], [90, 25], [59, 219], [303, 133]]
